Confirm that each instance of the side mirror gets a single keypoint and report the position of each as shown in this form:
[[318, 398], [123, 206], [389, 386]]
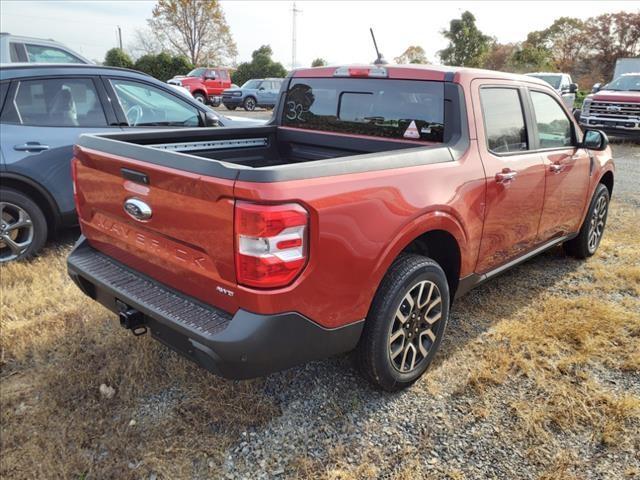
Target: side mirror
[[211, 120], [573, 88], [261, 88], [596, 87], [595, 140]]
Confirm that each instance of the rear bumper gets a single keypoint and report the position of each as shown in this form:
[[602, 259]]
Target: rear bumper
[[243, 345]]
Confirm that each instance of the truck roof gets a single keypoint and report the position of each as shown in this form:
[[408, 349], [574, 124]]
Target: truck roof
[[419, 72]]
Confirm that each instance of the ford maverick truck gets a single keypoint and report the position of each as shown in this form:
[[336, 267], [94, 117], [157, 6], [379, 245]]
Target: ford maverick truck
[[373, 198]]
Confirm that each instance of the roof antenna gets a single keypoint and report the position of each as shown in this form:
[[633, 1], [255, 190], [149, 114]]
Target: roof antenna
[[380, 60]]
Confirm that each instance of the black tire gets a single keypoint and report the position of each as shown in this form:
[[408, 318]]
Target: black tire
[[585, 245], [200, 97], [231, 107], [375, 349], [30, 238], [249, 104]]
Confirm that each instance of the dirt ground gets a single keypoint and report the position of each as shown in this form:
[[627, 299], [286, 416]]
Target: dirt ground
[[539, 377]]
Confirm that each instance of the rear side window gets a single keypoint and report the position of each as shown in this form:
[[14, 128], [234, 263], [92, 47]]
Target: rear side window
[[55, 102], [503, 120], [17, 52], [554, 128], [44, 54], [399, 109]]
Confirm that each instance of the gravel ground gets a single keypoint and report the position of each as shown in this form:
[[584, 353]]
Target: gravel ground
[[329, 412]]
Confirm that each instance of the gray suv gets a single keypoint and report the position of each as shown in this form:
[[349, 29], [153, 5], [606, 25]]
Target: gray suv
[[257, 92], [17, 49], [43, 110]]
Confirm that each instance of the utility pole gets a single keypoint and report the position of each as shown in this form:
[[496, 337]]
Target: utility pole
[[295, 12], [120, 37]]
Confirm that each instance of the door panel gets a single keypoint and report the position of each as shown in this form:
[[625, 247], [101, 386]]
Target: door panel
[[515, 176], [567, 168]]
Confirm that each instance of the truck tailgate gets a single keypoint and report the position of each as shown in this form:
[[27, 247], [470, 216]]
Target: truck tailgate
[[186, 243]]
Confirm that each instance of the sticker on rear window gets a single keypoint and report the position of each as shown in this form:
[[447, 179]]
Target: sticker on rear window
[[412, 131]]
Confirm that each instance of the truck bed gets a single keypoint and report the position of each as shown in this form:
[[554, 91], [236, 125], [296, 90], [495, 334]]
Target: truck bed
[[264, 153]]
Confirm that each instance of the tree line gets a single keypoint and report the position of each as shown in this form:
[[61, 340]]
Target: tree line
[[182, 34]]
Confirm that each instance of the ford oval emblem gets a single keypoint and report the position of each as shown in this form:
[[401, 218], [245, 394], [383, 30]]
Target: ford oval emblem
[[137, 209]]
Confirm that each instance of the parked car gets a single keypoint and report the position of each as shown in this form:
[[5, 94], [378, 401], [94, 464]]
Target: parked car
[[44, 108], [206, 84], [623, 65], [561, 83], [17, 49], [259, 92], [375, 196], [615, 108]]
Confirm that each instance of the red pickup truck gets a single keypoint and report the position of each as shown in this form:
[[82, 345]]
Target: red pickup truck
[[373, 198], [206, 84]]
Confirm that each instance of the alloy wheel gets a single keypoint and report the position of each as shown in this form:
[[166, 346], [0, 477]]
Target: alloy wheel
[[16, 231], [596, 223], [414, 329]]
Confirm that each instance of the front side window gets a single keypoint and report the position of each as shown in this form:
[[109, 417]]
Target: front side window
[[503, 120], [399, 109], [251, 84], [59, 102], [198, 72], [146, 105], [554, 128], [44, 54]]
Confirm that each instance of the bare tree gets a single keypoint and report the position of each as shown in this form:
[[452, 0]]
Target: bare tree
[[196, 29]]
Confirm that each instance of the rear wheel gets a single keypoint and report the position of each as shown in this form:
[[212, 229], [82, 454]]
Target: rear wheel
[[406, 323], [23, 228], [592, 230], [230, 107], [249, 104]]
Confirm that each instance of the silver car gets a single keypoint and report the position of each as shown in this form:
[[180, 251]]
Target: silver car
[[17, 49]]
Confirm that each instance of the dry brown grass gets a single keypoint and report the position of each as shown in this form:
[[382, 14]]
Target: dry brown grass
[[545, 363]]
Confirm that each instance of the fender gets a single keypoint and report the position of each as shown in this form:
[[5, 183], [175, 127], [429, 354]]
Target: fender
[[43, 192], [428, 222], [602, 168]]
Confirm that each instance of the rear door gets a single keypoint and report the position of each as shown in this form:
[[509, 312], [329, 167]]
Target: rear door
[[515, 173], [567, 167], [42, 120]]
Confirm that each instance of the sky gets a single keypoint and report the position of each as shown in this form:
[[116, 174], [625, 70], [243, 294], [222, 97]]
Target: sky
[[337, 31]]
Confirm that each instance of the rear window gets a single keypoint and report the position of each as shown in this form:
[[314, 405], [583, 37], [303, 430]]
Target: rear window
[[399, 109]]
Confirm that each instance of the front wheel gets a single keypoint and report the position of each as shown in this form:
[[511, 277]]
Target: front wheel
[[406, 323], [230, 107], [249, 104], [200, 98], [592, 230], [23, 228]]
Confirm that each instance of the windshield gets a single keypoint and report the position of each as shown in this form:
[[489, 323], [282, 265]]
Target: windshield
[[553, 80], [196, 72], [626, 83], [401, 109], [254, 84]]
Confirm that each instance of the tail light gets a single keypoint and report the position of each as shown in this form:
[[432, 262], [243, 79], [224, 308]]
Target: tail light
[[365, 71], [271, 243]]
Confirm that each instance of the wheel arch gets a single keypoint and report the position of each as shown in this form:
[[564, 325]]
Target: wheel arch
[[607, 181], [38, 194], [438, 235]]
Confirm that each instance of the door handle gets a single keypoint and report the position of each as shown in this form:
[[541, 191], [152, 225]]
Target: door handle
[[506, 175], [31, 147], [556, 167]]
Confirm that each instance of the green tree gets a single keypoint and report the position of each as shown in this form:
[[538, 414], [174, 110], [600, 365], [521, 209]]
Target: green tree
[[163, 66], [319, 62], [260, 66], [117, 57], [533, 55], [500, 56], [413, 54], [196, 29], [467, 44]]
